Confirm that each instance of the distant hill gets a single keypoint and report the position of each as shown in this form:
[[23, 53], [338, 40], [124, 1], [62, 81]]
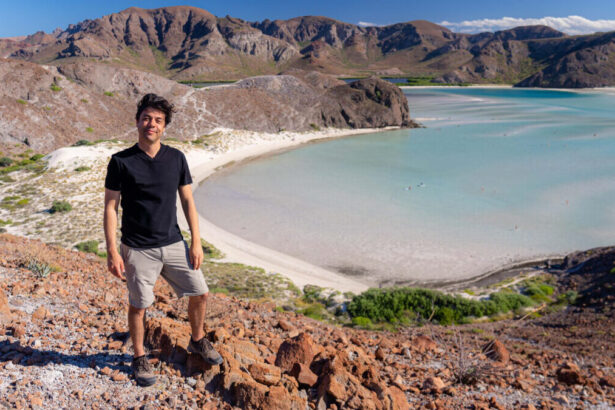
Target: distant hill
[[191, 44]]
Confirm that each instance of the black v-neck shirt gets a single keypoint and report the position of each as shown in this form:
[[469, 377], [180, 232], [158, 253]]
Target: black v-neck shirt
[[148, 191]]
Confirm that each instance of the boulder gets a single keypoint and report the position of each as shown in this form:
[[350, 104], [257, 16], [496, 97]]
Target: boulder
[[303, 374], [299, 349], [569, 373]]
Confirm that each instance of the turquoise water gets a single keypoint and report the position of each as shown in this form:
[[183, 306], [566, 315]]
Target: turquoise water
[[497, 175]]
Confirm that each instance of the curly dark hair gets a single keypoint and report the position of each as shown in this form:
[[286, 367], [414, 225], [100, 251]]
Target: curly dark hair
[[157, 102]]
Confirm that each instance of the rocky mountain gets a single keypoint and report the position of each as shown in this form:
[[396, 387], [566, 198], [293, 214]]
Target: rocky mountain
[[188, 43], [64, 343], [48, 107]]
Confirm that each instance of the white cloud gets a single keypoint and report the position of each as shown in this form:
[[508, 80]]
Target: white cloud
[[570, 25], [368, 24]]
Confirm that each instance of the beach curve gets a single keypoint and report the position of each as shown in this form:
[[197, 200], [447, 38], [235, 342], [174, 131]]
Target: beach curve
[[239, 250]]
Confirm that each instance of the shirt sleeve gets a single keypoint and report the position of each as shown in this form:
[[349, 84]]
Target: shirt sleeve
[[184, 172], [113, 180]]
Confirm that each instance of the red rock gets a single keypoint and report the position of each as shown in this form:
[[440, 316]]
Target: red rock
[[119, 377], [106, 371], [265, 373], [285, 325], [5, 310], [569, 373], [220, 335], [300, 349], [248, 394], [303, 374], [19, 331], [424, 344], [433, 384], [607, 381], [496, 351], [40, 313], [380, 355]]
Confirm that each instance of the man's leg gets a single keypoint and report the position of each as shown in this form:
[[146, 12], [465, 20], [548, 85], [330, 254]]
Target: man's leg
[[197, 306], [136, 318]]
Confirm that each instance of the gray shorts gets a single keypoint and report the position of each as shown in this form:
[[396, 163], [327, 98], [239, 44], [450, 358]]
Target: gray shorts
[[144, 265]]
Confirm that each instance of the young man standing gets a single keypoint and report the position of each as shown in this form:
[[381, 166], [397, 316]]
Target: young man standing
[[146, 179]]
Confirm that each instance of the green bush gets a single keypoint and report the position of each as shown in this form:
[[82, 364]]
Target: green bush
[[361, 321], [60, 206], [5, 161], [108, 93], [81, 142], [23, 102], [88, 247], [55, 88], [539, 292], [89, 129], [384, 305], [82, 168], [36, 157]]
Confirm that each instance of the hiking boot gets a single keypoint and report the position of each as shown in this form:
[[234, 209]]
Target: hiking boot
[[142, 371], [206, 350]]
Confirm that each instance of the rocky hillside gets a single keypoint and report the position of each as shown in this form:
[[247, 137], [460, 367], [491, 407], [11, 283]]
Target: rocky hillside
[[64, 343], [188, 43], [48, 107]]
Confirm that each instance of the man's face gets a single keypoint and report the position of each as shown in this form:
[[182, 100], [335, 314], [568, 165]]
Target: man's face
[[151, 124]]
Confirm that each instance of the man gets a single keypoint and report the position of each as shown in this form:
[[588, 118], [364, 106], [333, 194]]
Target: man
[[146, 178]]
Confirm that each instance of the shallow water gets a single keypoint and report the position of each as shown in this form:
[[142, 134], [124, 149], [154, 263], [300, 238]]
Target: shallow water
[[498, 175]]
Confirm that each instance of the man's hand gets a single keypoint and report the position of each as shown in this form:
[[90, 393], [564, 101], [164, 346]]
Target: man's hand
[[115, 264], [196, 255]]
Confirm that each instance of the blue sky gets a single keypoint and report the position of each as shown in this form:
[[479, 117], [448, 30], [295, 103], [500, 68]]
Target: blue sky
[[28, 16]]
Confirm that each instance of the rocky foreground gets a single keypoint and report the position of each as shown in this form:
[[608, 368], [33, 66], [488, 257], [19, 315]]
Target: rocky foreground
[[64, 345]]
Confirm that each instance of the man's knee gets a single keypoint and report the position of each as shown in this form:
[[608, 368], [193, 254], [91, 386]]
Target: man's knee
[[139, 312], [200, 299]]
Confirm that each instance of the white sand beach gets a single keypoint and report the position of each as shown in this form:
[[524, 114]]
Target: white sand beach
[[242, 146]]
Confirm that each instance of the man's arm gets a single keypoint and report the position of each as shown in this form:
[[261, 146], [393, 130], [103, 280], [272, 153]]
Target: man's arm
[[115, 263], [187, 201]]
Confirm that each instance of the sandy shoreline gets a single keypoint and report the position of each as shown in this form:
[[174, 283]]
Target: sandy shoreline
[[243, 251]]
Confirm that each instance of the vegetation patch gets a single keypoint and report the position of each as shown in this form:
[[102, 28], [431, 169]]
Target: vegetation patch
[[82, 142], [108, 93], [60, 206], [89, 129], [22, 102], [90, 247], [247, 282], [405, 305], [55, 88]]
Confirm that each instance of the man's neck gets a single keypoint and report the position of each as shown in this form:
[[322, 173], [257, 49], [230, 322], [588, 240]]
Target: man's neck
[[150, 148]]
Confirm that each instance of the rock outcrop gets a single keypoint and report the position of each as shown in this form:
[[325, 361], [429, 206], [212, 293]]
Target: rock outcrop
[[50, 107]]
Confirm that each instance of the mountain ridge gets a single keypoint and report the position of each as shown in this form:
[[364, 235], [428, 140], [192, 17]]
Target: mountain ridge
[[190, 44]]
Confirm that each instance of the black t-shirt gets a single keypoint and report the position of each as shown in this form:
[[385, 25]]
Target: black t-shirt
[[148, 190]]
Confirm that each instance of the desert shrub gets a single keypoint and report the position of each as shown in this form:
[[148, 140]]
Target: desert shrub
[[23, 202], [315, 311], [83, 100], [88, 247], [41, 269], [89, 129], [108, 93], [81, 142], [60, 206], [384, 305], [82, 168], [539, 292], [23, 102], [361, 321], [5, 161], [55, 88], [36, 157]]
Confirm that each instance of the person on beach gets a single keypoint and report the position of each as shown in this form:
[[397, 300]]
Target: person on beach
[[146, 179]]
